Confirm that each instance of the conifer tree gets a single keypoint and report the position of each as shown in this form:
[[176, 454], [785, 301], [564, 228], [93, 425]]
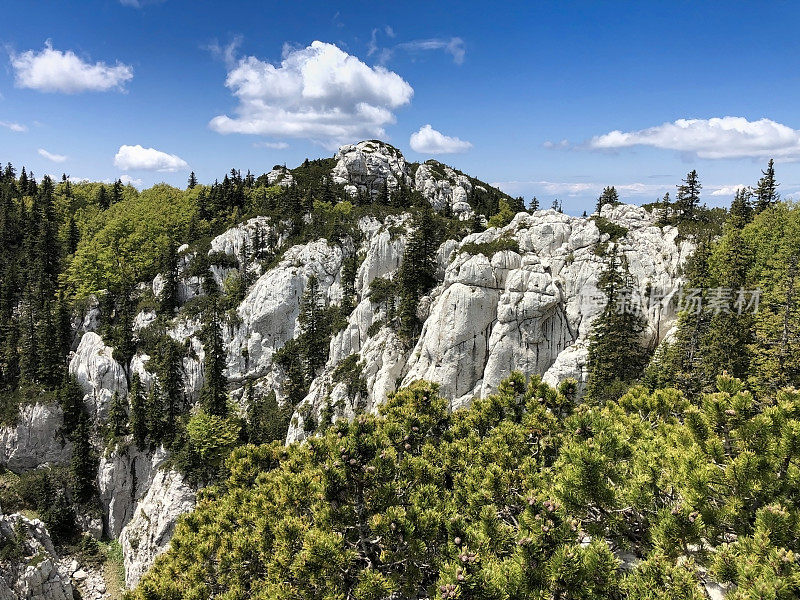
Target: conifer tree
[[118, 416], [116, 192], [82, 463], [154, 411], [103, 201], [741, 212], [192, 181], [267, 420], [314, 331], [608, 196], [418, 272], [616, 353], [688, 197], [138, 412], [214, 394], [169, 273], [767, 189], [534, 205]]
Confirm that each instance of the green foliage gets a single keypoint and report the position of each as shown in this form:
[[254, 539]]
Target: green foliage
[[503, 216], [267, 420], [126, 243], [607, 227], [489, 249], [495, 501], [209, 440], [616, 354]]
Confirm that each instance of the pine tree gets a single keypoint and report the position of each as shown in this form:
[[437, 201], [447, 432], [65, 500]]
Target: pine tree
[[616, 354], [608, 196], [169, 370], [214, 394], [688, 198], [741, 212], [267, 420], [116, 192], [192, 181], [73, 236], [725, 346], [383, 196], [169, 273], [418, 272], [138, 412], [154, 412], [767, 189], [103, 200], [82, 463], [118, 416], [314, 331], [665, 210], [534, 205]]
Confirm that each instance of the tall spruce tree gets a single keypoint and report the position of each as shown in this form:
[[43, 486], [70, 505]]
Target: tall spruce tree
[[616, 353], [214, 393], [608, 196], [418, 271], [314, 338], [138, 412], [767, 189], [688, 198]]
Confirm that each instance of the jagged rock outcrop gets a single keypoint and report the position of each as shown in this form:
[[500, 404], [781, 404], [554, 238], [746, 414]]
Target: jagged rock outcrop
[[36, 439], [35, 573], [123, 478], [98, 374], [523, 297], [444, 187], [363, 168], [149, 531], [280, 175], [268, 315]]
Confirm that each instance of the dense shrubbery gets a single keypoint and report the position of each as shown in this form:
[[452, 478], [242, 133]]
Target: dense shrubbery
[[500, 501]]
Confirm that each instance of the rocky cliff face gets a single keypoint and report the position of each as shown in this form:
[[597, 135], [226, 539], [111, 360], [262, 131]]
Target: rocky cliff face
[[528, 309], [36, 574], [149, 531], [36, 439]]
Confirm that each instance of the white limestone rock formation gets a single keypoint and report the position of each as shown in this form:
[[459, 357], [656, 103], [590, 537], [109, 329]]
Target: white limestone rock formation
[[36, 574], [98, 375], [363, 168], [123, 478], [280, 176], [150, 530], [268, 315], [524, 302], [444, 187], [35, 439]]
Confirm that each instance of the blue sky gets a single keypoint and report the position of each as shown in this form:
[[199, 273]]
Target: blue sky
[[556, 99]]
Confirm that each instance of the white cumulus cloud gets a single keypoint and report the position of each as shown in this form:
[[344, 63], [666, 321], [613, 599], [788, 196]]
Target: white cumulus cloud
[[318, 92], [429, 141], [55, 71], [18, 127], [56, 158], [147, 159], [728, 190], [725, 137]]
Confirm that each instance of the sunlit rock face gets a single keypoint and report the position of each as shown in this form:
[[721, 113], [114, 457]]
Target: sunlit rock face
[[528, 309]]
